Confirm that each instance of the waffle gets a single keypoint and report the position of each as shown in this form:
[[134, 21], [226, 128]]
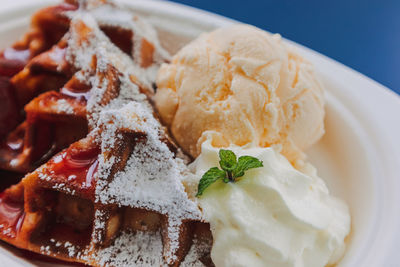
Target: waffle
[[105, 186], [47, 28]]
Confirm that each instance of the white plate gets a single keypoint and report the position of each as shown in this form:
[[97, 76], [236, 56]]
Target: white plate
[[359, 156]]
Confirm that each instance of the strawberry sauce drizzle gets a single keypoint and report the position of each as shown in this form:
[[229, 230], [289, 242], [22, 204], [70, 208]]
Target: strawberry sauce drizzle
[[76, 168], [12, 216]]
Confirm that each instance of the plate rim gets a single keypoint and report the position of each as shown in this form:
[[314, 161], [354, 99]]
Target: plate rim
[[386, 123]]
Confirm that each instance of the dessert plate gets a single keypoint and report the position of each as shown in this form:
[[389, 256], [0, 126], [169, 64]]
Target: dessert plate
[[359, 156]]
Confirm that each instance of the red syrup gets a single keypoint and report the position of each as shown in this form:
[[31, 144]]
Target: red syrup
[[12, 216], [76, 168]]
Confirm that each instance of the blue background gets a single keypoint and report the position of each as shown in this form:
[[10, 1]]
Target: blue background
[[364, 35]]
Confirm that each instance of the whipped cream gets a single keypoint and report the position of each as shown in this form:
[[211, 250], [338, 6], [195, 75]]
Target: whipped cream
[[272, 216]]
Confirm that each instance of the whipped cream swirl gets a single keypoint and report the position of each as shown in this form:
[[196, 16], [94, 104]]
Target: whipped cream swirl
[[272, 216]]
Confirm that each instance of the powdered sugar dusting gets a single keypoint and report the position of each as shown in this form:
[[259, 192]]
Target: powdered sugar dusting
[[98, 226], [110, 14], [64, 107], [113, 16], [95, 48], [198, 250], [152, 176], [133, 249]]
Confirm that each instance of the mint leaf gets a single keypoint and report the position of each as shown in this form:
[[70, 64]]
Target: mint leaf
[[246, 163], [211, 176], [231, 169], [227, 160]]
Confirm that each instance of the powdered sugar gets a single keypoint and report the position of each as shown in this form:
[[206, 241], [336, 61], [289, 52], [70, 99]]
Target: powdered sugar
[[133, 249], [64, 107], [45, 250], [62, 187], [99, 225], [110, 14], [94, 48], [71, 249], [152, 176], [198, 250]]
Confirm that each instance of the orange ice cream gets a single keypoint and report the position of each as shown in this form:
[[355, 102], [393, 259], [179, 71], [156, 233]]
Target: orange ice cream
[[241, 85]]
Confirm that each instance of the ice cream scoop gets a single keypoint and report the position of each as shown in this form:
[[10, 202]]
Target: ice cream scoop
[[241, 85]]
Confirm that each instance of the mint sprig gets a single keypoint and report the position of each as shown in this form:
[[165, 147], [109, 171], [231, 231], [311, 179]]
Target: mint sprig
[[232, 169]]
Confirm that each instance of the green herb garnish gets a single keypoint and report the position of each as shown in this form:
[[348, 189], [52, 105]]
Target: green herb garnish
[[231, 169]]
